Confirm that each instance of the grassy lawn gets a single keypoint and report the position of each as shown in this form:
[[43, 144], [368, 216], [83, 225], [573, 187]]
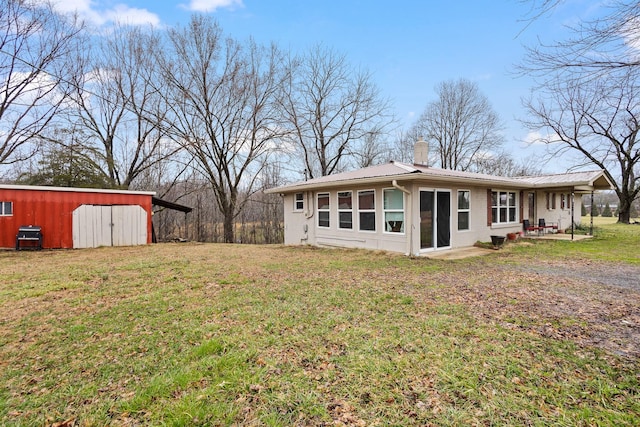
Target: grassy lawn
[[203, 334]]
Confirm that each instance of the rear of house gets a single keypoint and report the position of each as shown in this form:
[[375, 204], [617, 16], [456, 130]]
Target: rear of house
[[415, 209], [76, 217]]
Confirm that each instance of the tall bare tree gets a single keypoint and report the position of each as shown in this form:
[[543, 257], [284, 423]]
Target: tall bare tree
[[35, 45], [587, 99], [609, 42], [222, 96], [461, 124], [599, 121], [332, 109], [120, 108]]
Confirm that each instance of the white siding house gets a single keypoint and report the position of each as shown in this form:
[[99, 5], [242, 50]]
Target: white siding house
[[415, 209]]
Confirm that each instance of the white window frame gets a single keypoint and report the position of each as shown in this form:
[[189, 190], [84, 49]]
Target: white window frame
[[327, 210], [367, 211], [342, 210], [498, 206], [467, 210], [298, 204], [386, 211], [4, 210]]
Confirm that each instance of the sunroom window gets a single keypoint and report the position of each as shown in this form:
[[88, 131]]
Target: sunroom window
[[393, 203], [367, 210], [345, 210], [323, 210]]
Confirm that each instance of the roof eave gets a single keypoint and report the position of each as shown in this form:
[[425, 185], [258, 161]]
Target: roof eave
[[411, 176]]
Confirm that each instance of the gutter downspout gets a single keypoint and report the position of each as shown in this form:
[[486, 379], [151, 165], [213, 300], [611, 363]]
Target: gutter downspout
[[409, 228], [308, 214]]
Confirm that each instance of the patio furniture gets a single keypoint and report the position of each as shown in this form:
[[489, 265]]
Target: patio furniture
[[528, 228], [543, 226]]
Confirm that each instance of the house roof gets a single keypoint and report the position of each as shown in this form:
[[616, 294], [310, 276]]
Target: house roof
[[588, 179], [403, 172]]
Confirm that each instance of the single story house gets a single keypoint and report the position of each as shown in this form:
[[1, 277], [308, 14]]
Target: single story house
[[414, 209], [78, 217]]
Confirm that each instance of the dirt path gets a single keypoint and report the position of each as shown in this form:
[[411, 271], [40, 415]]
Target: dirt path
[[592, 303]]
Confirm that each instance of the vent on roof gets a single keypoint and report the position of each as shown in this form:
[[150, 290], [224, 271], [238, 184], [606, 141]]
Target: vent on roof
[[421, 153]]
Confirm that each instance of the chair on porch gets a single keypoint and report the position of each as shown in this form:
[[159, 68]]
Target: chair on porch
[[528, 228], [542, 225]]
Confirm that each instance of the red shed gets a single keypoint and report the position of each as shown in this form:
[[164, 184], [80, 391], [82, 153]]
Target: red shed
[[76, 217]]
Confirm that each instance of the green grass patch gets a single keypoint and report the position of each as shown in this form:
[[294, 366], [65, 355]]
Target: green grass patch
[[188, 335]]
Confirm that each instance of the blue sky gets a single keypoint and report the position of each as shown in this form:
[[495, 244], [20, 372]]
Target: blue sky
[[408, 46]]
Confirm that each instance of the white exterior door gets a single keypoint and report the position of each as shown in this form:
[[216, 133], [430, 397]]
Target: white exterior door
[[95, 226]]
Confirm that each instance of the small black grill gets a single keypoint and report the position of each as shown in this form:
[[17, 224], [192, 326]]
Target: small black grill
[[30, 236]]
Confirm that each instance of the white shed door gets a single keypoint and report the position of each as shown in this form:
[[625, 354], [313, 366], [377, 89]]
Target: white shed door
[[95, 226]]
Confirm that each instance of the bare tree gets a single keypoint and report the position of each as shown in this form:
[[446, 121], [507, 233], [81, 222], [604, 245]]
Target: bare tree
[[223, 111], [119, 106], [35, 45], [503, 164], [332, 109], [587, 99], [461, 124], [601, 122], [596, 47]]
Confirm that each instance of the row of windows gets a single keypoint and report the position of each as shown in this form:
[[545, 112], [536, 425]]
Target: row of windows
[[6, 208], [393, 209]]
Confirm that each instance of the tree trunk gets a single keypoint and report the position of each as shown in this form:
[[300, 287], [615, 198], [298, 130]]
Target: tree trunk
[[624, 210], [229, 235]]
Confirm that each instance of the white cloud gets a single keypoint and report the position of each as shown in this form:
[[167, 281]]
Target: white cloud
[[132, 16], [212, 5], [533, 138], [538, 138], [89, 12]]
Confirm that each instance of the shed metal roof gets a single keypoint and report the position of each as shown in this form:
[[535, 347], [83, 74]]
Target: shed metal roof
[[74, 189]]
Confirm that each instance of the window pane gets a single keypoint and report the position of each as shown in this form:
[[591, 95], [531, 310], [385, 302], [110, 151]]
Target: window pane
[[512, 214], [494, 215], [494, 198], [463, 199], [323, 201], [323, 219], [503, 199], [463, 220], [299, 201], [366, 200], [344, 200], [393, 199], [512, 199], [394, 222], [367, 221], [345, 220], [503, 214]]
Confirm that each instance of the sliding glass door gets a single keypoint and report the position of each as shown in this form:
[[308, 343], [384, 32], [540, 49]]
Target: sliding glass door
[[435, 219]]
